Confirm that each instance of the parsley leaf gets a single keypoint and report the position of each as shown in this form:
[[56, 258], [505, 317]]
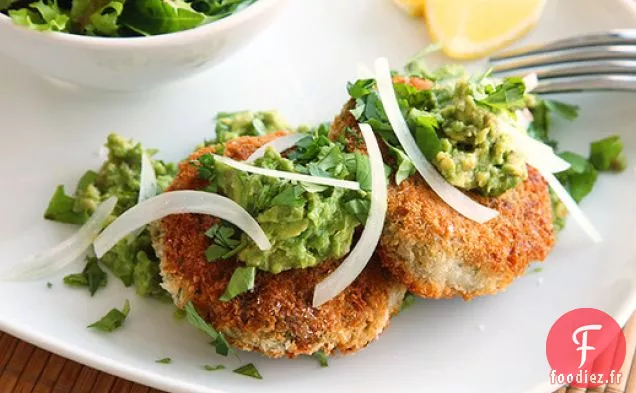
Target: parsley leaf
[[224, 244], [61, 209], [164, 361], [242, 280], [249, 370], [360, 88], [112, 320], [580, 178], [508, 95], [92, 277], [607, 154], [208, 367], [194, 319], [322, 358]]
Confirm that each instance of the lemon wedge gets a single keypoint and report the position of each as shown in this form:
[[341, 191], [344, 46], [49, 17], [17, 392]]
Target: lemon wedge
[[412, 7], [473, 28]]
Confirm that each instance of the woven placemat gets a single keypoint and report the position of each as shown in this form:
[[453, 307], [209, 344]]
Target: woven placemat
[[27, 369]]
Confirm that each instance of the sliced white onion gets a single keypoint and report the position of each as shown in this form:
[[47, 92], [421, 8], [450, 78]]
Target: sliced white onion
[[571, 205], [66, 252], [147, 179], [180, 202], [358, 258], [327, 181], [279, 144], [538, 154], [531, 81], [448, 193]]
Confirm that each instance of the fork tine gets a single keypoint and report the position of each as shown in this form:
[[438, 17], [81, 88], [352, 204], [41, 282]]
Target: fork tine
[[614, 52], [596, 67], [612, 37], [587, 83]]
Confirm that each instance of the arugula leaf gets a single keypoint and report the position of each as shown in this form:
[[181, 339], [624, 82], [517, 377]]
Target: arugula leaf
[[164, 361], [359, 208], [42, 15], [360, 88], [60, 209], [112, 320], [580, 178], [242, 280], [249, 370], [208, 367], [508, 95], [363, 171], [218, 339], [607, 154], [149, 17]]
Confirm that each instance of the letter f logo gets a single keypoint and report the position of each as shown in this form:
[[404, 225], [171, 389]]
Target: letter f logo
[[583, 344]]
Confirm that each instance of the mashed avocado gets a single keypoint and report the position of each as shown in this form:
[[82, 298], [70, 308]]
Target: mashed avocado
[[475, 154], [133, 259], [457, 125], [305, 228], [231, 125]]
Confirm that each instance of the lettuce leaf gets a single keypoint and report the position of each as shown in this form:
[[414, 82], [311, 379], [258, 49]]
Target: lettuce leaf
[[42, 15], [148, 17]]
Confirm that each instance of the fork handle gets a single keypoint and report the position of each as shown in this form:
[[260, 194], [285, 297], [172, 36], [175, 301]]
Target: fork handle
[[587, 83]]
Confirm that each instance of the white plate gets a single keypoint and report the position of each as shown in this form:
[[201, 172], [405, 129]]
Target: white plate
[[300, 65]]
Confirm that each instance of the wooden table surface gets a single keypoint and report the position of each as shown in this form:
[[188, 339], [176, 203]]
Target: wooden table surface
[[27, 369]]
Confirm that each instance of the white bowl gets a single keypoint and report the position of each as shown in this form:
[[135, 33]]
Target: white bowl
[[135, 63]]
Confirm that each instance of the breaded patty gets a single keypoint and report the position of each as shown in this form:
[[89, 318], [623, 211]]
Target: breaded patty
[[277, 317], [438, 253]]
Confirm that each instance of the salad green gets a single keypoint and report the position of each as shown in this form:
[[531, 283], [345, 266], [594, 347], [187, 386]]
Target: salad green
[[118, 18]]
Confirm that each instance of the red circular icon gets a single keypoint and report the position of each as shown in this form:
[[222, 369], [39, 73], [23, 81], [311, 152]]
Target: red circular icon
[[585, 348]]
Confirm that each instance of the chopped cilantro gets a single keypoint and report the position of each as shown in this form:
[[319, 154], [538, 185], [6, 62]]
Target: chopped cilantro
[[208, 367], [360, 88], [61, 208], [249, 370], [322, 358], [92, 277], [164, 361], [508, 95], [579, 178], [225, 244], [242, 280], [113, 319], [218, 339], [607, 154]]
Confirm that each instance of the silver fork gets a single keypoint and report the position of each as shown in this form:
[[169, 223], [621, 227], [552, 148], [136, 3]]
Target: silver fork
[[602, 62]]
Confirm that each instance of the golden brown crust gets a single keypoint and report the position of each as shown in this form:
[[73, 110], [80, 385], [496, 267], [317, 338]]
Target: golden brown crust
[[437, 253], [275, 318]]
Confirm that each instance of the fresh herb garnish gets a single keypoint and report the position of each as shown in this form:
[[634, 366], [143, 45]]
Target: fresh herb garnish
[[508, 95], [242, 280], [358, 208], [218, 339], [226, 242], [207, 171], [61, 209], [607, 154], [579, 178], [360, 88], [322, 358], [249, 370], [112, 320], [92, 277], [408, 301], [208, 367], [541, 110], [164, 361]]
